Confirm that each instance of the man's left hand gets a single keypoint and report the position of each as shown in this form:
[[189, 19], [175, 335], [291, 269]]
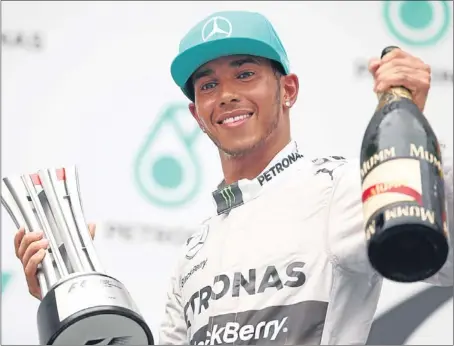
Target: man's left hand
[[399, 68]]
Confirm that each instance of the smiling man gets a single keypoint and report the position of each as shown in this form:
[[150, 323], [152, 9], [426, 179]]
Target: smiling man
[[283, 258]]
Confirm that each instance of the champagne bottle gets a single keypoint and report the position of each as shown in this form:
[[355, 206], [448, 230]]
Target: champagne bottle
[[403, 190]]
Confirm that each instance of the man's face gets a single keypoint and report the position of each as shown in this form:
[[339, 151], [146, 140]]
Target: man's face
[[238, 102]]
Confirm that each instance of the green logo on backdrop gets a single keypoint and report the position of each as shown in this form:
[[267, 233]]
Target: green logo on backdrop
[[167, 171], [417, 23], [5, 280]]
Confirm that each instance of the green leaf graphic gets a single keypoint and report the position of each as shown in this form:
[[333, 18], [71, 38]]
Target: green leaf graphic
[[5, 280]]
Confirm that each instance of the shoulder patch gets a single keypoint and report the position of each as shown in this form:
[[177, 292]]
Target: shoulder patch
[[327, 165], [322, 160]]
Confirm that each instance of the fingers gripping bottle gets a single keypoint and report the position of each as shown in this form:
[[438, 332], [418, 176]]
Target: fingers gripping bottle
[[403, 190]]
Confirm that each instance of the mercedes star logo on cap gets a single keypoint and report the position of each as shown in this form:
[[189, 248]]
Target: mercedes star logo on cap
[[219, 26]]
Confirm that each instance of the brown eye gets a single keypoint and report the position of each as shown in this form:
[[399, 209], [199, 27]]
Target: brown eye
[[245, 75], [208, 86]]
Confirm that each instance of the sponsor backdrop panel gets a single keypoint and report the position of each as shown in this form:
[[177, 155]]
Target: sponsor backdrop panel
[[89, 84]]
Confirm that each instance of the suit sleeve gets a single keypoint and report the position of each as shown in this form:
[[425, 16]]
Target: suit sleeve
[[173, 329], [346, 236]]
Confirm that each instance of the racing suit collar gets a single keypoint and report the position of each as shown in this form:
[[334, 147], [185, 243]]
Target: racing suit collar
[[227, 197]]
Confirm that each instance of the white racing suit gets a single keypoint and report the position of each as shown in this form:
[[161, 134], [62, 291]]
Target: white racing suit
[[284, 261]]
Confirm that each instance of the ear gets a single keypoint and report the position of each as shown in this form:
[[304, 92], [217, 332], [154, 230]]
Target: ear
[[194, 113], [290, 88]]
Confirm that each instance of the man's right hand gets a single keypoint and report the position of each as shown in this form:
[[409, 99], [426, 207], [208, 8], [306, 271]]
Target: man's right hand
[[30, 250]]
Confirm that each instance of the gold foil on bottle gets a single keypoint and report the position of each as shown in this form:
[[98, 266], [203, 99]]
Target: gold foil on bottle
[[394, 94]]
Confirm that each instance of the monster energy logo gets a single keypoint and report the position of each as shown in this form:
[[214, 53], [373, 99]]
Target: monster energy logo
[[228, 197]]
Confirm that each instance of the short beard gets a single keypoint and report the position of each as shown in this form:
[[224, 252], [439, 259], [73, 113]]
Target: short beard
[[234, 154]]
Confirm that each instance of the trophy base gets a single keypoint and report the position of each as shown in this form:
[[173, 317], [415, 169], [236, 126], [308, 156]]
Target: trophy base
[[91, 309]]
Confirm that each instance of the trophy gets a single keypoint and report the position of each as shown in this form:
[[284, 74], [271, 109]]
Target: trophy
[[81, 304]]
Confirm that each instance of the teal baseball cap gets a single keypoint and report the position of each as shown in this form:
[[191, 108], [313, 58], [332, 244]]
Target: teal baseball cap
[[223, 34]]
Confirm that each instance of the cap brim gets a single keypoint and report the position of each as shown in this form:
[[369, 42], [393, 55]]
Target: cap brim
[[185, 64]]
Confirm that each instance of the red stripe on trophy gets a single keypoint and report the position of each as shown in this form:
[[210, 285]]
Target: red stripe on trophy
[[61, 175], [35, 179]]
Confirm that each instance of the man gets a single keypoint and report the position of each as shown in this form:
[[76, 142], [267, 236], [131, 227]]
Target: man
[[283, 259]]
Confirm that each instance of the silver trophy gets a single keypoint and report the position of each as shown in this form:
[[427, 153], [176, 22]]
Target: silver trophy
[[81, 304]]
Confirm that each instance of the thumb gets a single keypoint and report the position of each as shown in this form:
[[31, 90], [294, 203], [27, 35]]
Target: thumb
[[373, 65], [92, 230]]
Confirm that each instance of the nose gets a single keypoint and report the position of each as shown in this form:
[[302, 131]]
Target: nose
[[228, 97]]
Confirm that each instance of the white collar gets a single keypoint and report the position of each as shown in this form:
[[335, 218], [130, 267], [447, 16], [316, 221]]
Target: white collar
[[227, 197]]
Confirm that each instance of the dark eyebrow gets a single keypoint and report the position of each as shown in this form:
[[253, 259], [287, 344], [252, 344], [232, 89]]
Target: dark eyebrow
[[235, 63], [239, 62], [200, 74]]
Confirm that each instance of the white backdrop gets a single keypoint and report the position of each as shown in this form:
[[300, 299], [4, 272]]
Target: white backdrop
[[89, 84]]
